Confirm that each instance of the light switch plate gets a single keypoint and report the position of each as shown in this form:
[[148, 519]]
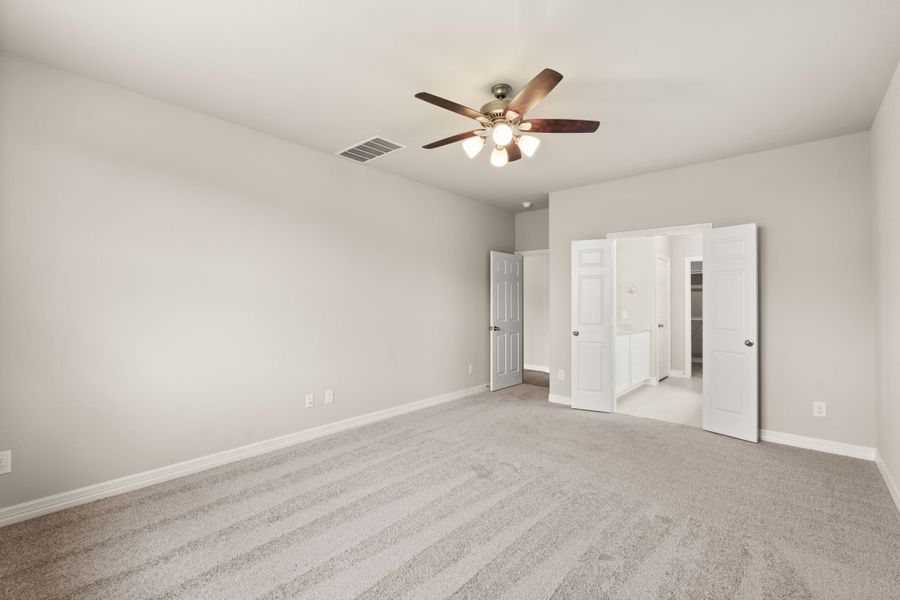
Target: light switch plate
[[310, 400], [329, 396]]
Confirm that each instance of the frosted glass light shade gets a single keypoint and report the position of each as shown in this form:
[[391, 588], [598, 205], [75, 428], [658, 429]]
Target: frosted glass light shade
[[473, 146], [498, 156], [529, 144], [503, 134]]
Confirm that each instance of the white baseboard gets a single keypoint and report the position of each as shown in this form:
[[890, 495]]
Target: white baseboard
[[810, 443], [560, 399], [540, 368], [892, 486], [56, 502]]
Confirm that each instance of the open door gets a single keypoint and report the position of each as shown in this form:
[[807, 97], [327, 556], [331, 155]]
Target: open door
[[663, 318], [593, 341], [730, 328], [506, 320]]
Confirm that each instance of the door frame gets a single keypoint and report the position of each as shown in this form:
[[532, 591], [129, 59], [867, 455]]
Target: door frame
[[639, 233], [688, 319]]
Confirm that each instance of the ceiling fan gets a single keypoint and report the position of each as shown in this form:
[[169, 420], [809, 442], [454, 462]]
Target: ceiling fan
[[503, 121]]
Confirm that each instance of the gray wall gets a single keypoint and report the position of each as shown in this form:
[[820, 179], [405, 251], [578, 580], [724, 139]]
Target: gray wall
[[532, 230], [886, 188], [171, 284], [812, 203]]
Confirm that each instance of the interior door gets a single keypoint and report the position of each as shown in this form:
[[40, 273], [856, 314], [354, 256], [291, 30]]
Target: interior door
[[730, 327], [593, 341], [663, 318], [506, 320]]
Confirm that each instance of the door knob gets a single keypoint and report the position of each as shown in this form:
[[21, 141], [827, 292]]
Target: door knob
[[575, 333], [748, 342], [495, 328], [660, 325]]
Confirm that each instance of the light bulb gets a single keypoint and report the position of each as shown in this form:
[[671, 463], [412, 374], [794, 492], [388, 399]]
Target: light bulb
[[498, 156], [529, 144], [473, 146], [503, 134]]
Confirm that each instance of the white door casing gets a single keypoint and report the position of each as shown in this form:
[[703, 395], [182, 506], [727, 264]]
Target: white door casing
[[730, 332], [506, 320], [663, 317], [593, 339]]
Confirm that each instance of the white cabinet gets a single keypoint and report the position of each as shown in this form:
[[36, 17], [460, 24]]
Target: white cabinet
[[640, 357], [632, 361], [623, 363]]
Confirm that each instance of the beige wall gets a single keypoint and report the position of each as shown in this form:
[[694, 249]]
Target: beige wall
[[886, 188], [812, 203], [532, 230], [171, 284]]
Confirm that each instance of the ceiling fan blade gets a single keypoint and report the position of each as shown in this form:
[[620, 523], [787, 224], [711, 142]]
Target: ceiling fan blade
[[452, 106], [451, 139], [559, 126], [513, 152], [534, 91]]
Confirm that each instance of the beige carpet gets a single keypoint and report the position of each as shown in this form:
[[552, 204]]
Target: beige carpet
[[498, 496]]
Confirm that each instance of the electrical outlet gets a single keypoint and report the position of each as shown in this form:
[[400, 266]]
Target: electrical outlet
[[561, 375], [819, 409], [329, 396], [471, 368], [310, 400], [5, 462]]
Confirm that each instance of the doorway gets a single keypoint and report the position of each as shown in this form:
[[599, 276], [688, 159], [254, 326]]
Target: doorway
[[619, 354], [652, 310], [536, 312]]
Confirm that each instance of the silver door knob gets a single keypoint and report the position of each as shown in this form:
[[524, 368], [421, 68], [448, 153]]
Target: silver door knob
[[575, 333], [660, 325], [495, 328], [748, 342]]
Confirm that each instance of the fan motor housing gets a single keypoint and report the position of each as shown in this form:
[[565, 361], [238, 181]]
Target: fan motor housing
[[495, 108]]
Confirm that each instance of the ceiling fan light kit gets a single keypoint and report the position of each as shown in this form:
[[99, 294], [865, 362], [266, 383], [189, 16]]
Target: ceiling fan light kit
[[504, 121]]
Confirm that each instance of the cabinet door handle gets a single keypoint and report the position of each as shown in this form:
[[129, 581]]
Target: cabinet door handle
[[748, 342], [575, 333]]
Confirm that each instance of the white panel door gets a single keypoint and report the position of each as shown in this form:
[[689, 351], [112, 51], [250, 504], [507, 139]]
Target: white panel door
[[593, 341], [730, 328], [663, 318], [506, 320]]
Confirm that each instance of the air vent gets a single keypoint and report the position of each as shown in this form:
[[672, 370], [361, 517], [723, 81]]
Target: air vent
[[369, 150]]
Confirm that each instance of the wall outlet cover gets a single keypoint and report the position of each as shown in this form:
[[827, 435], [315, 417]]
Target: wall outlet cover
[[561, 375], [329, 396], [819, 409], [310, 400], [5, 462], [471, 368]]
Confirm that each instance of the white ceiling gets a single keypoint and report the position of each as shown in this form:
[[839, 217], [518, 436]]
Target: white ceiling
[[673, 83]]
